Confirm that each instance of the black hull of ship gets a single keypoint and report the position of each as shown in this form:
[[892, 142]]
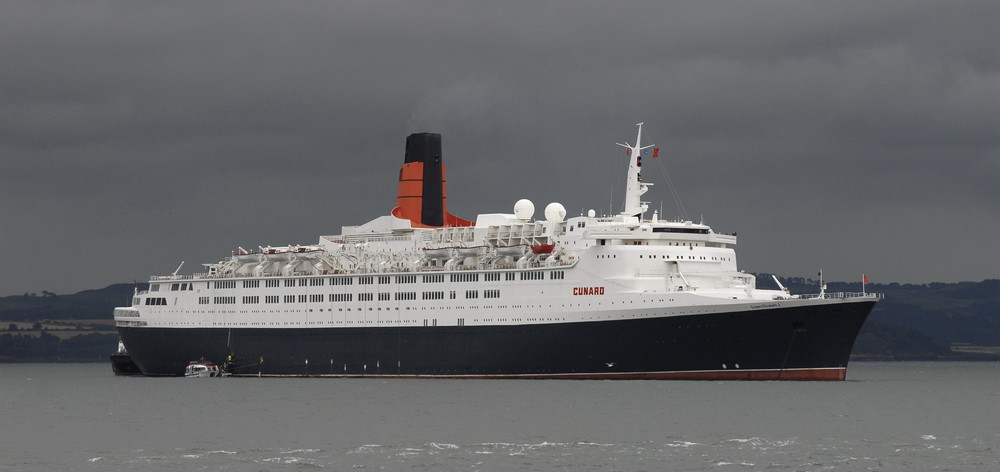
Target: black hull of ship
[[794, 343], [122, 364]]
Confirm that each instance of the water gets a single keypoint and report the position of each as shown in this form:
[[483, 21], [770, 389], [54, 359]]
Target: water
[[887, 416]]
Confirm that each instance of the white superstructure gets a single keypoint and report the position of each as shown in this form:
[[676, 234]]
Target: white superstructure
[[505, 269]]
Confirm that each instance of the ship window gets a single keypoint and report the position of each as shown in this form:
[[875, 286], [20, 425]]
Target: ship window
[[175, 287], [154, 288], [681, 230], [289, 298], [302, 282]]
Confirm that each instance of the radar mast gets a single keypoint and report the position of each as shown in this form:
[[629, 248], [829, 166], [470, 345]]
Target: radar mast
[[634, 186]]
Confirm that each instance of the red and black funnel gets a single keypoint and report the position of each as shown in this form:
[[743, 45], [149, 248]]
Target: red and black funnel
[[422, 197]]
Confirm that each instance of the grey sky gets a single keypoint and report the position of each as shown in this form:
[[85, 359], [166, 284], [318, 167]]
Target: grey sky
[[857, 137]]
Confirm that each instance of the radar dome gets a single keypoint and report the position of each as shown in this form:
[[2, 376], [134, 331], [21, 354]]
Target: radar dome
[[523, 209], [555, 212], [591, 213]]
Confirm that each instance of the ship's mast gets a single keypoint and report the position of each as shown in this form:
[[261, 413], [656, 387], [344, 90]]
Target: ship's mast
[[634, 186]]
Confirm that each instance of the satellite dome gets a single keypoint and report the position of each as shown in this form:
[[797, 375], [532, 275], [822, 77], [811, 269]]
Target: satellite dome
[[555, 212], [591, 213], [523, 209]]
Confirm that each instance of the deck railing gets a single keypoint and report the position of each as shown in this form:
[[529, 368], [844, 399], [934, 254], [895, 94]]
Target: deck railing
[[844, 295]]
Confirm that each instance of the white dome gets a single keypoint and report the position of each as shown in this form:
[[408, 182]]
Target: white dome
[[591, 213], [523, 209], [555, 212]]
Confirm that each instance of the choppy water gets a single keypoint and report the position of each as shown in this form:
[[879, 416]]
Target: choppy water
[[887, 416]]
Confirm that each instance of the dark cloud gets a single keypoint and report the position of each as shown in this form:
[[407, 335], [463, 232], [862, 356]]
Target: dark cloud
[[853, 136]]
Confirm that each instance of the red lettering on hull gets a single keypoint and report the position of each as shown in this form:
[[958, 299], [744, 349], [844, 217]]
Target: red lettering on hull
[[588, 290]]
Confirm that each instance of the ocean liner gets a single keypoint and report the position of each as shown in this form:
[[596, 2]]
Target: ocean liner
[[423, 293]]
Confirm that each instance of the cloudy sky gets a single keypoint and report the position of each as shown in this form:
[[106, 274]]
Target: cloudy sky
[[856, 137]]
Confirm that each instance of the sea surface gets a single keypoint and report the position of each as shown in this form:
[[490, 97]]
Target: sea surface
[[886, 416]]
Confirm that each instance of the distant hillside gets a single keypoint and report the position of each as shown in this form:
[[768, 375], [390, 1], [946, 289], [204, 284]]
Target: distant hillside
[[88, 304], [929, 321], [44, 327]]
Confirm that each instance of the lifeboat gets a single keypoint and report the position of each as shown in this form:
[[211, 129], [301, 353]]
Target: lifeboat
[[437, 252], [542, 248], [510, 250], [472, 251]]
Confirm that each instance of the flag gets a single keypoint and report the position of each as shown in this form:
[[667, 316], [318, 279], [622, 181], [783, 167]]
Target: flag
[[864, 278], [656, 153], [628, 152]]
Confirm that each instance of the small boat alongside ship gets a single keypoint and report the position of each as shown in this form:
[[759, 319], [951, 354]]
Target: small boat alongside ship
[[204, 369], [422, 293]]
